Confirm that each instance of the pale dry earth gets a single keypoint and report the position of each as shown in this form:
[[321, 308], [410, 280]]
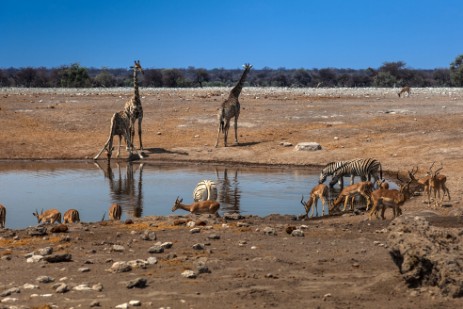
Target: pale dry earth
[[342, 262]]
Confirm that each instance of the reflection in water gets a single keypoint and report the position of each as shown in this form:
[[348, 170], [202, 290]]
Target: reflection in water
[[229, 192], [124, 190]]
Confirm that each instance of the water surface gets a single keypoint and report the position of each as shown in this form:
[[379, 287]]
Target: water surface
[[145, 189]]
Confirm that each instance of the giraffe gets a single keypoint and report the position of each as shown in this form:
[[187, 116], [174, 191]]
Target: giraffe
[[133, 106], [121, 125], [231, 108]]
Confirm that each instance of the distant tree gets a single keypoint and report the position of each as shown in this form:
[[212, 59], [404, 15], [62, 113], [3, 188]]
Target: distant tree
[[301, 78], [327, 77], [441, 77], [172, 78], [456, 71], [384, 79], [153, 78], [200, 76], [104, 79], [279, 80], [74, 76]]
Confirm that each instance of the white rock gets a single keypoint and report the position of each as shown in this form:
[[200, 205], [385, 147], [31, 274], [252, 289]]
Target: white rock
[[308, 146]]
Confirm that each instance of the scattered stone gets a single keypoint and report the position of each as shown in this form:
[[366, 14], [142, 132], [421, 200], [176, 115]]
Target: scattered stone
[[128, 221], [213, 236], [191, 224], [137, 283], [9, 300], [198, 246], [151, 260], [308, 146], [286, 144], [58, 258], [37, 231], [61, 288], [148, 235], [232, 216], [30, 286], [167, 245], [44, 279], [34, 259], [290, 229], [156, 249], [135, 303], [137, 263], [97, 287], [6, 258], [189, 274], [118, 248], [9, 292], [269, 231], [195, 230], [180, 221], [297, 233], [44, 251], [84, 269], [242, 224], [95, 303], [120, 267], [203, 269], [60, 228], [82, 287]]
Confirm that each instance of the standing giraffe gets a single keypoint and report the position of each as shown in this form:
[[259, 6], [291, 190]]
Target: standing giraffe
[[231, 108], [133, 106]]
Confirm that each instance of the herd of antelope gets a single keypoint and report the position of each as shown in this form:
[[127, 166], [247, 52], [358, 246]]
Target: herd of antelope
[[377, 195]]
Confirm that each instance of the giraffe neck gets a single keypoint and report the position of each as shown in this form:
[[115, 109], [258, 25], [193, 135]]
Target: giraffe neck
[[136, 94], [236, 91]]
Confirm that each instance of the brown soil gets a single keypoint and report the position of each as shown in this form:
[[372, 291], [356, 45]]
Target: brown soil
[[342, 261]]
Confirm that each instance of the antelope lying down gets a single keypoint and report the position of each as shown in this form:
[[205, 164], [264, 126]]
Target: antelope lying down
[[200, 207]]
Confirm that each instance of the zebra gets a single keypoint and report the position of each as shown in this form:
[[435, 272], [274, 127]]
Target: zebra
[[365, 168], [331, 168], [205, 190]]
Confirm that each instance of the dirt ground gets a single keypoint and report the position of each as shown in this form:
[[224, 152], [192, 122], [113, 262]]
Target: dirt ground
[[341, 262]]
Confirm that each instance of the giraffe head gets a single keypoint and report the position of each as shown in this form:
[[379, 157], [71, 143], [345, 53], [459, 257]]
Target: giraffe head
[[247, 66], [137, 67]]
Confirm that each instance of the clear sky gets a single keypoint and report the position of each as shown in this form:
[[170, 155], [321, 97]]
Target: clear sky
[[358, 34]]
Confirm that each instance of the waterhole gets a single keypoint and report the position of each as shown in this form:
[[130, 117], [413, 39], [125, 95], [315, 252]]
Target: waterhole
[[146, 189]]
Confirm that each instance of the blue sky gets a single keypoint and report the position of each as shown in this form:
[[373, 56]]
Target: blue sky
[[210, 34]]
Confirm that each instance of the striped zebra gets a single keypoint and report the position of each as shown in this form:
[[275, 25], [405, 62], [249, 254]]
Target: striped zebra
[[365, 168], [205, 190], [331, 168]]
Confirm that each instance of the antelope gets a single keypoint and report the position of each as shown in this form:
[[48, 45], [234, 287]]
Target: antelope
[[390, 198], [208, 206], [2, 216], [115, 212], [363, 188], [48, 216], [321, 192], [405, 89], [434, 181], [71, 216], [382, 184]]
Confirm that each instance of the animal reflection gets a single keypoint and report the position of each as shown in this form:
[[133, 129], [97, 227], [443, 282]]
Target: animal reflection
[[124, 189], [229, 192]]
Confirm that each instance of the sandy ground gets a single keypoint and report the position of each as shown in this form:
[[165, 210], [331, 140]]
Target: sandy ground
[[341, 262]]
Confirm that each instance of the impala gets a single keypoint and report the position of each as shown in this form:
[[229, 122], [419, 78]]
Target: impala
[[405, 89], [321, 192], [2, 216], [390, 198], [433, 181], [115, 212], [208, 206], [363, 188], [71, 216], [48, 216]]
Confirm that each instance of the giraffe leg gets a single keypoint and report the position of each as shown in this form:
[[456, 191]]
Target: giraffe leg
[[139, 131], [221, 125], [225, 134], [236, 130]]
